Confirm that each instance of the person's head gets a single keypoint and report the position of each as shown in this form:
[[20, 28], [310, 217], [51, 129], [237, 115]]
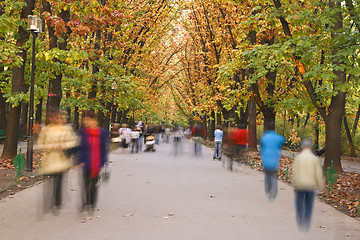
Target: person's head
[[270, 126], [90, 120], [55, 116], [218, 127], [306, 143]]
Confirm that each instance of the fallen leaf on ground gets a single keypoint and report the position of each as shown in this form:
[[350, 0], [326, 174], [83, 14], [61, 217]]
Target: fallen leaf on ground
[[128, 215]]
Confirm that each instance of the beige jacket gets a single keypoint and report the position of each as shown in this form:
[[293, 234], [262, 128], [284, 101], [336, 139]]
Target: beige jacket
[[307, 172], [53, 140]]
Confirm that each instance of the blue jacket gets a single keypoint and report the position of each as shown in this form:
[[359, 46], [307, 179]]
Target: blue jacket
[[218, 135], [270, 150], [84, 151]]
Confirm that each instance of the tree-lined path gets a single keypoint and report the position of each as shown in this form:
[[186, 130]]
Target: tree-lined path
[[146, 189]]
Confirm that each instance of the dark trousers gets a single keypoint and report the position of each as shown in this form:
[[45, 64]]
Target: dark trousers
[[90, 189], [271, 184], [304, 204], [57, 189]]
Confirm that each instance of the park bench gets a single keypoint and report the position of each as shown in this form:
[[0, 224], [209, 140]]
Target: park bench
[[2, 135]]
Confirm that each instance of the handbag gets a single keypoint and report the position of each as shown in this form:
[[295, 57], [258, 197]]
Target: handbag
[[105, 173]]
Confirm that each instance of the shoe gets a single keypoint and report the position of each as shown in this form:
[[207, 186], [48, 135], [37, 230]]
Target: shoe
[[219, 159], [214, 158]]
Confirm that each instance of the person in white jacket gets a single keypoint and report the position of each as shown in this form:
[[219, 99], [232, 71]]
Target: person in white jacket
[[307, 178]]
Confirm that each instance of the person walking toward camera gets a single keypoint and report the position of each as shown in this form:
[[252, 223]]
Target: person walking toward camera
[[307, 178], [54, 140], [270, 152], [93, 156]]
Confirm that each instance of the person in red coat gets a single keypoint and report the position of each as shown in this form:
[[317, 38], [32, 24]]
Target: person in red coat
[[93, 155]]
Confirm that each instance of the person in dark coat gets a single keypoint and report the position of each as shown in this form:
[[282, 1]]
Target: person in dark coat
[[93, 156]]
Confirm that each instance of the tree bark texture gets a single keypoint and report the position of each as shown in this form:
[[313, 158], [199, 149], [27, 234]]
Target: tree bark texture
[[10, 145], [38, 113], [252, 125], [348, 134]]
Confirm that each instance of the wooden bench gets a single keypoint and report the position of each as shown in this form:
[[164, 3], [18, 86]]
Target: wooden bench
[[2, 135]]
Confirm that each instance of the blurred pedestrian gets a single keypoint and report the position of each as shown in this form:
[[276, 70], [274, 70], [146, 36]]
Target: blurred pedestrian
[[141, 136], [178, 134], [158, 131], [94, 147], [198, 133], [270, 151], [307, 178], [135, 134], [54, 140], [125, 136], [218, 133]]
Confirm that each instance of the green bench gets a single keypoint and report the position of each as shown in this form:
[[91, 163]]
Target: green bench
[[2, 135]]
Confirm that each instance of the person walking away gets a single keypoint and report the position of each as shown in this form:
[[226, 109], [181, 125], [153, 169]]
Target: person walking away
[[307, 178], [198, 132], [177, 141], [157, 134], [218, 133], [125, 136], [167, 134], [54, 139], [141, 136], [135, 134], [270, 152], [94, 147]]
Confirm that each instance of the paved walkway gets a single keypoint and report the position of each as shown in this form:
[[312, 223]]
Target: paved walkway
[[207, 202], [348, 166]]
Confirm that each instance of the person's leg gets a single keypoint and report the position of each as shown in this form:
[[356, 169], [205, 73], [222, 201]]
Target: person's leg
[[299, 207], [58, 178], [215, 150], [93, 191], [195, 146], [86, 189], [309, 199], [219, 150], [267, 182], [137, 145], [199, 146], [274, 186]]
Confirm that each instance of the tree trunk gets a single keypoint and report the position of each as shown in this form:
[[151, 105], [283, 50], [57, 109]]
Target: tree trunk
[[356, 122], [38, 113], [348, 134], [333, 143], [3, 112], [316, 132], [24, 118], [252, 125], [12, 128], [76, 117], [269, 115], [54, 90], [218, 118], [212, 127], [68, 109], [204, 122]]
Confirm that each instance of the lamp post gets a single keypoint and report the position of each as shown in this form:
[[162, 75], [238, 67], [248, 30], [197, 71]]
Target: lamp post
[[35, 26], [113, 88]]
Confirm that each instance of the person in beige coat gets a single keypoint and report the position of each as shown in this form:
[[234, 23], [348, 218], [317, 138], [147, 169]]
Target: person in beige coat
[[307, 179], [54, 139]]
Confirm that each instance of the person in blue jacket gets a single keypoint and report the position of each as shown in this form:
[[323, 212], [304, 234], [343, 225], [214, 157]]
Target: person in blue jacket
[[270, 152], [93, 155]]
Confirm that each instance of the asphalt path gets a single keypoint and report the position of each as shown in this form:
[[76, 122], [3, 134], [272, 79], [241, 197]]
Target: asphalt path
[[159, 196]]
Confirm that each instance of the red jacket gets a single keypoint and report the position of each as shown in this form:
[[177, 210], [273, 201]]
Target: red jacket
[[240, 137]]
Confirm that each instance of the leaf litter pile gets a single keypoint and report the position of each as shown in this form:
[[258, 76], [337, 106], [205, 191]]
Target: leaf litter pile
[[345, 196]]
